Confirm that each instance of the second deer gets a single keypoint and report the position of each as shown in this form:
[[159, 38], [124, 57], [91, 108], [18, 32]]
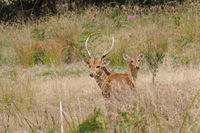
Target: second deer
[[133, 65]]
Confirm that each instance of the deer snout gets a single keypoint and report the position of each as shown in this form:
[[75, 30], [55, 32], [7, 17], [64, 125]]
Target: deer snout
[[137, 67], [91, 75]]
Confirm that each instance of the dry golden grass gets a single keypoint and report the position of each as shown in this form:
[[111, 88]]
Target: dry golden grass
[[30, 101]]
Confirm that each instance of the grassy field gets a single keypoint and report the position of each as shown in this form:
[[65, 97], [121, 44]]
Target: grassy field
[[40, 65]]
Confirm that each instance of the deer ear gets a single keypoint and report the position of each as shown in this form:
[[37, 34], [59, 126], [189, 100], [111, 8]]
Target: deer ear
[[125, 56], [105, 62], [85, 61], [141, 55]]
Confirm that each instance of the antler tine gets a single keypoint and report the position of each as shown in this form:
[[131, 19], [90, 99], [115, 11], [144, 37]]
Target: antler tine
[[86, 43], [107, 52]]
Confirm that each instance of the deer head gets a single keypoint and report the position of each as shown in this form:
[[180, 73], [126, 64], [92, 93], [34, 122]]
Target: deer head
[[97, 65], [134, 62]]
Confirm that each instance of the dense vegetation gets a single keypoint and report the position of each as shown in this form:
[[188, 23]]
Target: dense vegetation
[[12, 10]]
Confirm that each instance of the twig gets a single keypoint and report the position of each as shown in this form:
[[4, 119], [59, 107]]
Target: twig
[[8, 125], [61, 118]]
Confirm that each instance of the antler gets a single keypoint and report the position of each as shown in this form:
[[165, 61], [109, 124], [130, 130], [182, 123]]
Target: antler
[[107, 52], [87, 47]]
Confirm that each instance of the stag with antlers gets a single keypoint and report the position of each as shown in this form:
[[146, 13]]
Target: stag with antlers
[[104, 77]]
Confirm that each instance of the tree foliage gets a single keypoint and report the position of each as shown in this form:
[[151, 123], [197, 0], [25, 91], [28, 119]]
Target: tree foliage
[[12, 9]]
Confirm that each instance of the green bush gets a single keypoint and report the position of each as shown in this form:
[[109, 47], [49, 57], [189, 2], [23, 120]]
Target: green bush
[[132, 121], [93, 124], [154, 55]]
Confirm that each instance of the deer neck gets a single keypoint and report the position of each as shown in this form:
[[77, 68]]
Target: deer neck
[[101, 76], [132, 72]]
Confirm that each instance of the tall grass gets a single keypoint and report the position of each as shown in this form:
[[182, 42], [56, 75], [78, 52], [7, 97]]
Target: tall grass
[[29, 102]]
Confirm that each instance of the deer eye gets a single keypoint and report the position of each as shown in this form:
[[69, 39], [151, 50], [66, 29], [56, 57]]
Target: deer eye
[[98, 67], [132, 61]]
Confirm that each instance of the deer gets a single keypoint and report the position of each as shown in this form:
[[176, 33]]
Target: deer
[[102, 75], [133, 65]]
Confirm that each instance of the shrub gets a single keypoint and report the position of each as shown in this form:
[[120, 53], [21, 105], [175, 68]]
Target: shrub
[[132, 121], [93, 124], [154, 55]]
